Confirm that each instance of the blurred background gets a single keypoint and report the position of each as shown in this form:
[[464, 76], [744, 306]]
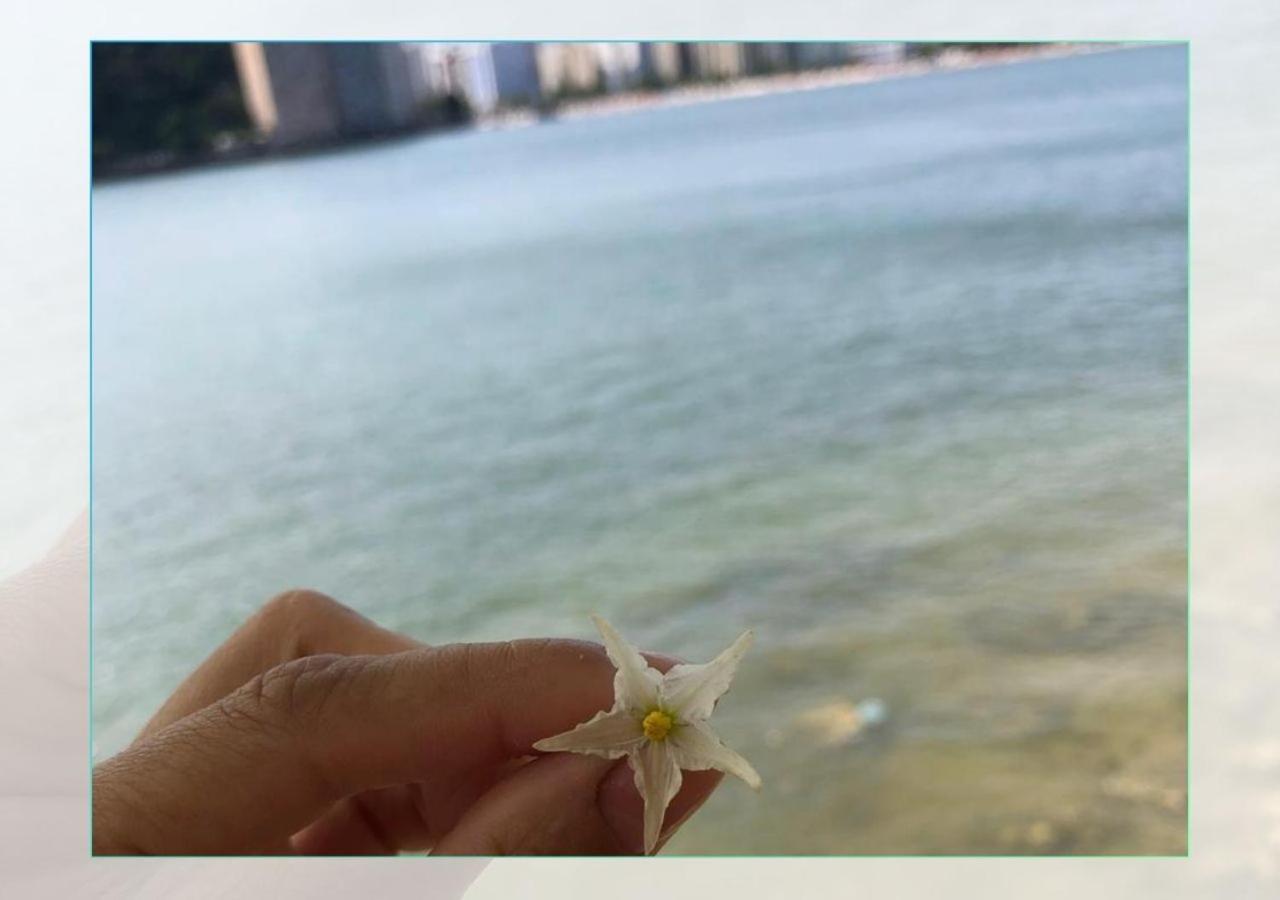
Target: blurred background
[[165, 105], [879, 349]]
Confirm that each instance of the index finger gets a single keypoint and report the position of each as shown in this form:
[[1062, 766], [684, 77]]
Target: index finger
[[456, 707]]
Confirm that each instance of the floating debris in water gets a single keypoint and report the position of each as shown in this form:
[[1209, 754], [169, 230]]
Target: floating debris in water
[[874, 711], [836, 723]]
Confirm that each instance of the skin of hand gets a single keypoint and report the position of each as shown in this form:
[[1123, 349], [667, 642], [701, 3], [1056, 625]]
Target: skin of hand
[[312, 730]]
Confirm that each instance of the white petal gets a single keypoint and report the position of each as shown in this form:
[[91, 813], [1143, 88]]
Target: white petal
[[658, 780], [691, 692], [635, 686], [610, 733], [695, 746]]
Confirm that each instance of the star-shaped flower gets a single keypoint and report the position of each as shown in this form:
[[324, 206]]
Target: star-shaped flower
[[660, 722]]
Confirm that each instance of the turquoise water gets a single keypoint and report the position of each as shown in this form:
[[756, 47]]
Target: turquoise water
[[894, 374]]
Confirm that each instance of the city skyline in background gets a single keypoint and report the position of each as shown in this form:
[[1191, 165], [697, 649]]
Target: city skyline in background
[[160, 105], [302, 92]]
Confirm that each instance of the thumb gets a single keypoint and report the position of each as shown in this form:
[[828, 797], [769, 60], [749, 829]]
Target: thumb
[[570, 805]]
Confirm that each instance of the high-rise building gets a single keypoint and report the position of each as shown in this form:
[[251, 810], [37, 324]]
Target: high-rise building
[[619, 63], [485, 76], [762, 58], [300, 93], [715, 60], [821, 54], [879, 52], [461, 71], [659, 63], [569, 69], [515, 73], [372, 86]]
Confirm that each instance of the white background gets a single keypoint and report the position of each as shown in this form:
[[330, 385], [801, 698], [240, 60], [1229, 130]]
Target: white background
[[1235, 482]]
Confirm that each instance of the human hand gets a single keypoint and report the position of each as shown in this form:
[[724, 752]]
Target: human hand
[[313, 730]]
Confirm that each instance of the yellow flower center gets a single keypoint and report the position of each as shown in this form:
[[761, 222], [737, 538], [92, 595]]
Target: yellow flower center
[[657, 725]]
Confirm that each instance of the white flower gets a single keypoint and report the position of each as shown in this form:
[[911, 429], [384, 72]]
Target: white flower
[[660, 722]]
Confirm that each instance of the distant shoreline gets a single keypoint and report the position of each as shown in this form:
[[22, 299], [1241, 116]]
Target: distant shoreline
[[680, 94], [785, 82]]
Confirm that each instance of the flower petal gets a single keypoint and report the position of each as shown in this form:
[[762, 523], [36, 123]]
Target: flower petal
[[611, 733], [658, 780], [695, 746], [691, 692], [635, 686]]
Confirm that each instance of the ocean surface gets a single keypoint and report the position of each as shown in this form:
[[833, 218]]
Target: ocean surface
[[894, 374]]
